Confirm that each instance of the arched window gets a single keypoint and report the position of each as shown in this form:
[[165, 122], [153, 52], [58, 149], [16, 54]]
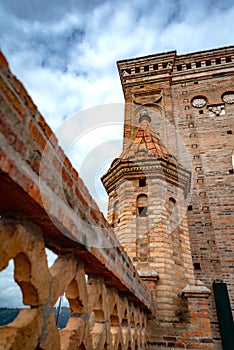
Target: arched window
[[142, 205], [172, 203], [172, 213]]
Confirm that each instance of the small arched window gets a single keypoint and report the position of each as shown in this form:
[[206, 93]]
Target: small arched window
[[172, 213], [142, 205], [172, 203]]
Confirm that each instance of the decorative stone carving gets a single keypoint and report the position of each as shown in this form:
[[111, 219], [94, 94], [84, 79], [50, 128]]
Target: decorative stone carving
[[199, 102], [228, 97], [217, 110]]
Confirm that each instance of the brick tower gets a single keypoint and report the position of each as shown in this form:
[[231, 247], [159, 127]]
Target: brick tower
[[179, 118], [146, 188]]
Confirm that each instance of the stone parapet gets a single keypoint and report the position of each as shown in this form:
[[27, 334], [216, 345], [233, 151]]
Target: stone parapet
[[168, 66], [100, 317], [44, 203]]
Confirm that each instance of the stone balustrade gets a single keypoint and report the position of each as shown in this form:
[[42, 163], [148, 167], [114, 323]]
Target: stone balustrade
[[100, 317]]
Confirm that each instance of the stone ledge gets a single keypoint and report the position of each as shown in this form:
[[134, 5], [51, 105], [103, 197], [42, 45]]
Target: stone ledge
[[198, 290], [148, 275]]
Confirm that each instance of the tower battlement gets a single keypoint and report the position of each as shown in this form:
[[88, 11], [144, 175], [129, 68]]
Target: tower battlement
[[169, 65]]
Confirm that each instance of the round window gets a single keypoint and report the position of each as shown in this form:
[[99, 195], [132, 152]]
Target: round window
[[199, 101], [228, 97]]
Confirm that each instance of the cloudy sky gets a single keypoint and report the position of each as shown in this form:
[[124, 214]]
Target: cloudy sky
[[65, 53]]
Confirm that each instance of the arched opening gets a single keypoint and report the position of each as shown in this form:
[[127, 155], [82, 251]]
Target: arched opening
[[142, 205]]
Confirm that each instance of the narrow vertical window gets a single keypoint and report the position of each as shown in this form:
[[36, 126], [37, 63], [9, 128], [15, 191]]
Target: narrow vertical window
[[142, 182], [115, 215], [175, 231], [233, 160], [142, 228], [231, 171]]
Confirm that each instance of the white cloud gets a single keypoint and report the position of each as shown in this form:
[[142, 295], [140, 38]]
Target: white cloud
[[67, 62], [201, 28]]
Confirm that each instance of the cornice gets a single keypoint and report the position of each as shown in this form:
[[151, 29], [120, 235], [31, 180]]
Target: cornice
[[154, 169], [173, 68]]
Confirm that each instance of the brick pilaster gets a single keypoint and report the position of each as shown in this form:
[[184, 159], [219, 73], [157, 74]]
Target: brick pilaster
[[199, 327]]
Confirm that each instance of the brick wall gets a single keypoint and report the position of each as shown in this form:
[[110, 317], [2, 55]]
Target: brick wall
[[185, 97], [211, 220]]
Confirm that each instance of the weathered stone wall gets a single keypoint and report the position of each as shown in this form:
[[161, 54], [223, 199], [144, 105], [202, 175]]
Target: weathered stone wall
[[44, 203]]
